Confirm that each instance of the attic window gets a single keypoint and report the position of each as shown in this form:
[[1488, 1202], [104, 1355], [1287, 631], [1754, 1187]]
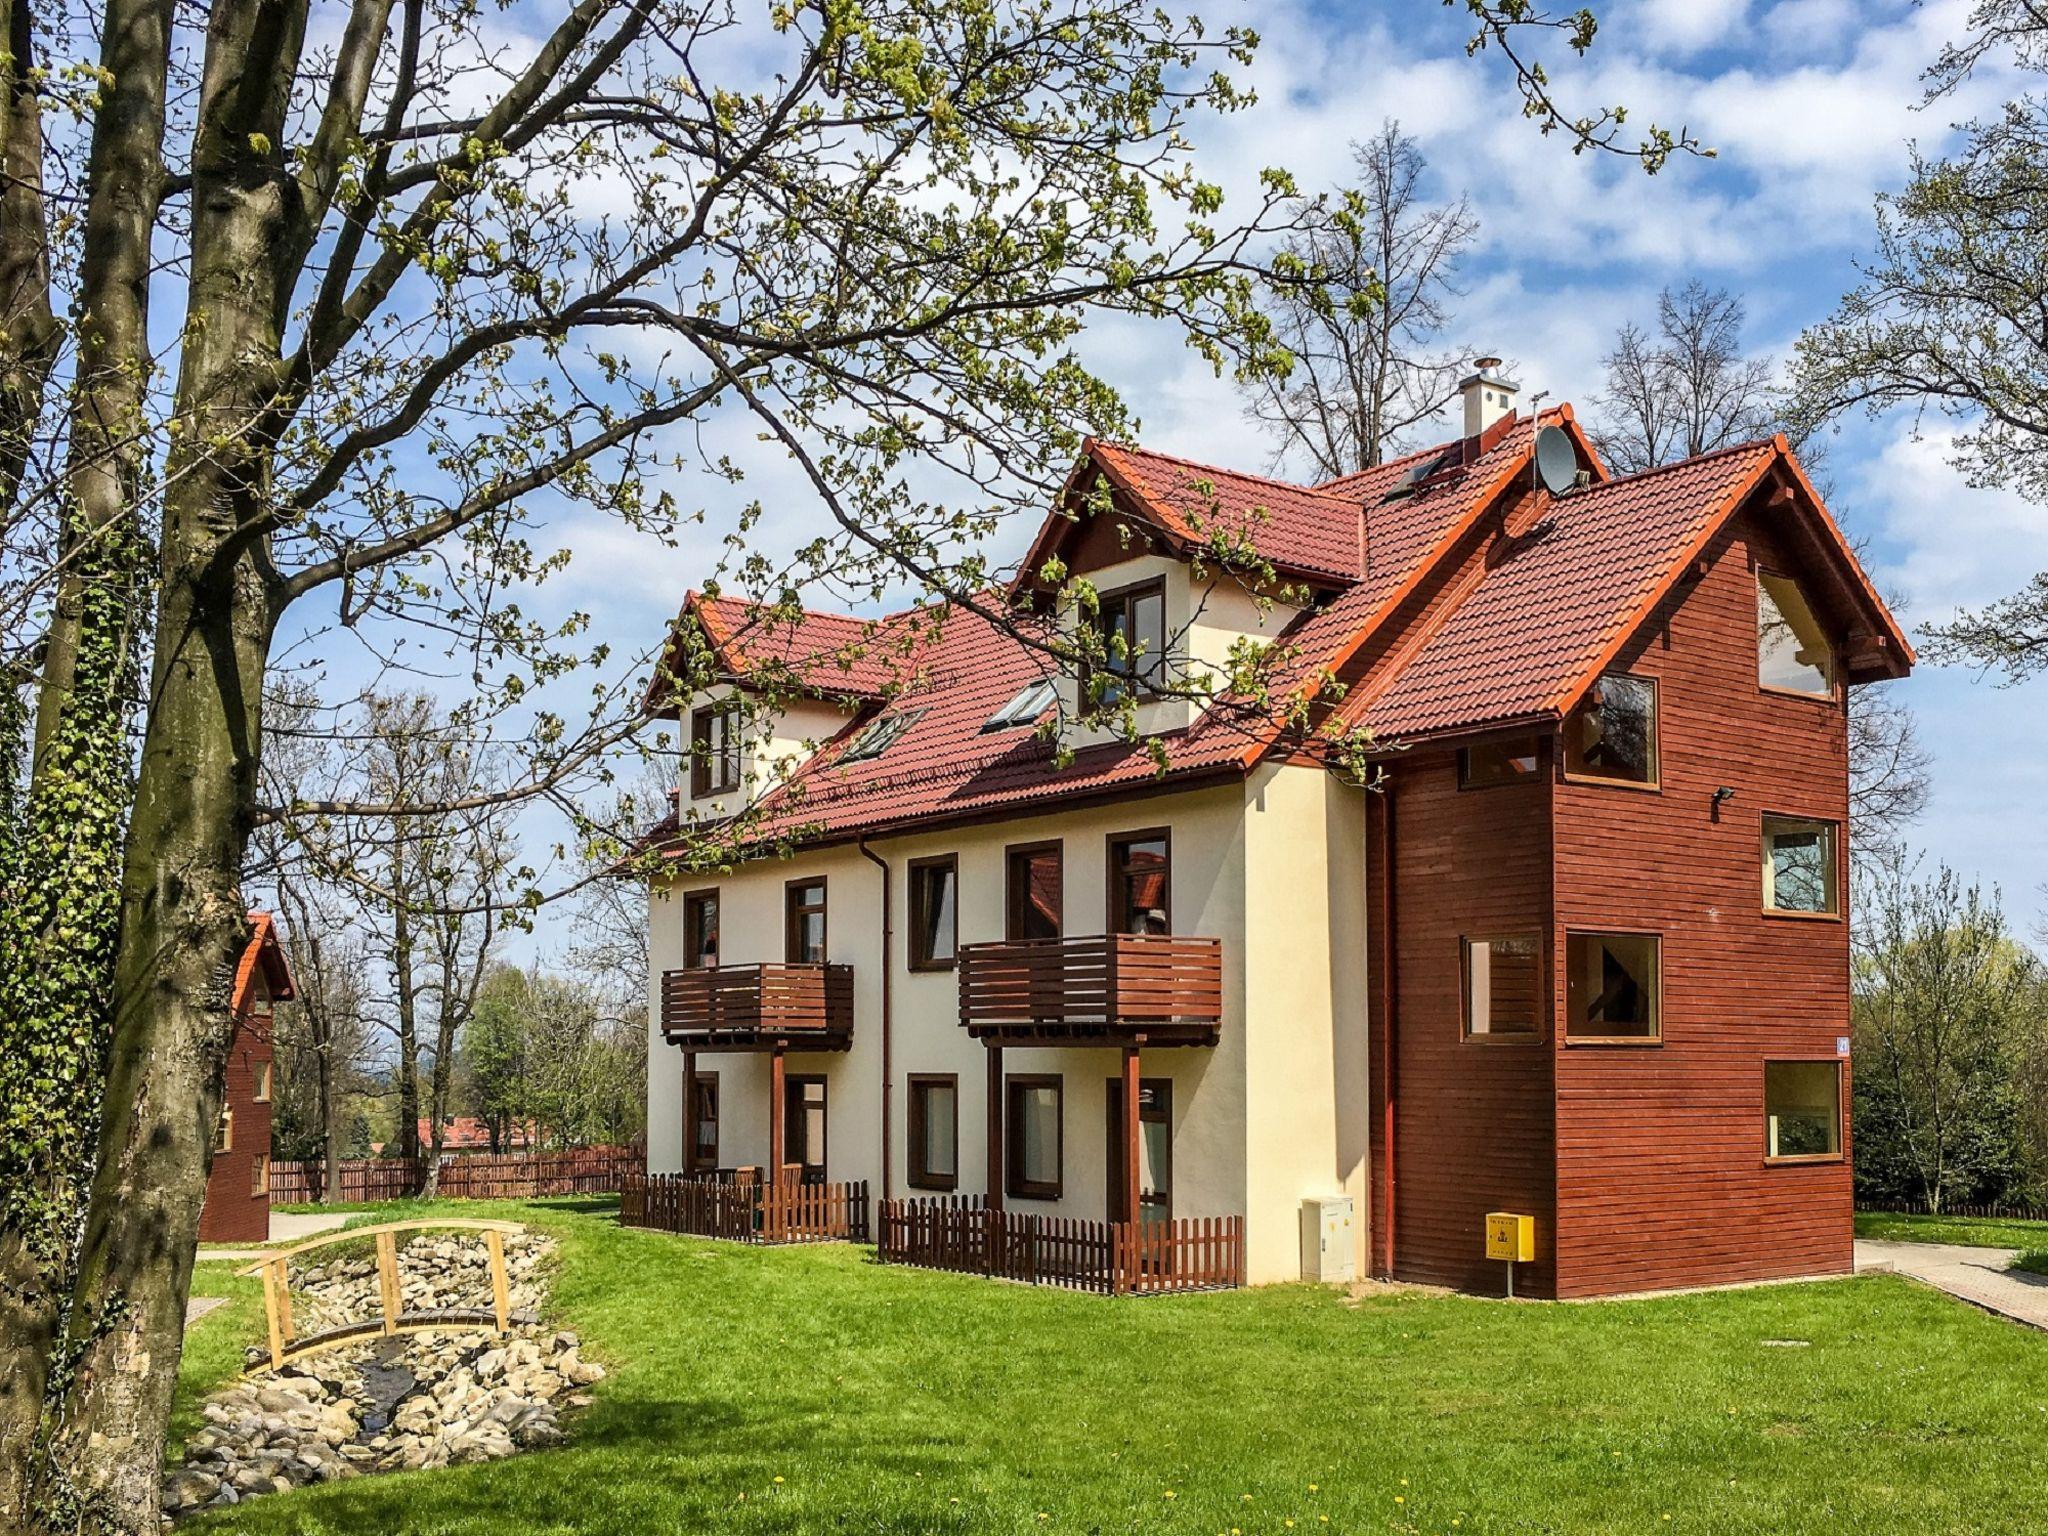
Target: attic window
[[880, 736], [1026, 707], [1792, 650]]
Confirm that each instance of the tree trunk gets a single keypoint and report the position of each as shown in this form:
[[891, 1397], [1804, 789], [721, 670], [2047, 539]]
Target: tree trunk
[[330, 1112], [408, 1019]]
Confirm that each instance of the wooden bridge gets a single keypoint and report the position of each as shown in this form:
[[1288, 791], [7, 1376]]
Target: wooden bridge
[[392, 1319]]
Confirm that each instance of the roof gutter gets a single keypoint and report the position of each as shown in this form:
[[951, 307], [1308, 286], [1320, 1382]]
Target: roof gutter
[[888, 1074]]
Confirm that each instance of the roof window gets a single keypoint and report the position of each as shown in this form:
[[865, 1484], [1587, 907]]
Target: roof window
[[1031, 702], [880, 736]]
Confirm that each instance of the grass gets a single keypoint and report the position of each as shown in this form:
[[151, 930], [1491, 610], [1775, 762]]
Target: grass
[[1978, 1231], [810, 1390]]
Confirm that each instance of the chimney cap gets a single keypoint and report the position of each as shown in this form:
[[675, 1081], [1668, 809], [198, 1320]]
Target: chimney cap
[[1485, 364]]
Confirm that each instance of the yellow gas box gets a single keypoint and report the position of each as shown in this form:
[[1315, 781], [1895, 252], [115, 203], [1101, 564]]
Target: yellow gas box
[[1510, 1237]]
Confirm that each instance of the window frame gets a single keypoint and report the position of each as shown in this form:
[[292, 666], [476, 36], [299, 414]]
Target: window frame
[[224, 1132], [1534, 775], [702, 760], [790, 912], [1833, 695], [693, 953], [1124, 598], [950, 863], [1767, 882], [916, 1174], [260, 1082], [259, 1174], [1015, 1184], [1655, 782], [1018, 855], [1798, 1159], [794, 1087], [702, 1081], [1118, 918], [1597, 1042], [1538, 1032]]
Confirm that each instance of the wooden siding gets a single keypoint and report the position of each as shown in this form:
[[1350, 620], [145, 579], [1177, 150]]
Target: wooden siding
[[1471, 1119], [230, 1213], [758, 1007], [1160, 988], [1661, 1179]]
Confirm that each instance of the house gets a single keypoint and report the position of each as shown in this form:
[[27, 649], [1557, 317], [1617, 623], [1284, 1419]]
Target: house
[[237, 1203], [1521, 889]]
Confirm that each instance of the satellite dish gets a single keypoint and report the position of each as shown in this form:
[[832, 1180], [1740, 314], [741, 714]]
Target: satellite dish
[[1557, 461]]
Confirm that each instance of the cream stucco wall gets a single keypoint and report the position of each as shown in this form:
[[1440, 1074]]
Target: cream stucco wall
[[1271, 1114], [776, 746]]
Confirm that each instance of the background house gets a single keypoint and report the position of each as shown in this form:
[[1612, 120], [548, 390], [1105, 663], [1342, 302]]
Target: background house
[[237, 1207]]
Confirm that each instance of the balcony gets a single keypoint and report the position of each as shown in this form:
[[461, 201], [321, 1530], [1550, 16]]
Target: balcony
[[758, 1007], [1113, 989]]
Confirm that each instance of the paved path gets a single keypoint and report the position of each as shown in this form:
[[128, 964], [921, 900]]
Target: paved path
[[198, 1306], [286, 1228], [1977, 1275]]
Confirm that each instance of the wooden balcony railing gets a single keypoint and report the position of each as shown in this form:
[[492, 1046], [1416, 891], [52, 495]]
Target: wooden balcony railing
[[1117, 1258], [746, 1210], [1118, 988], [758, 1007]]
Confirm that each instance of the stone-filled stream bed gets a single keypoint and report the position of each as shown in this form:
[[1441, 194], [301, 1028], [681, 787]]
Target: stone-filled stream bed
[[410, 1400]]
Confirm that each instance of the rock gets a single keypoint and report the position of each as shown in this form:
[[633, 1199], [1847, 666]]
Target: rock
[[582, 1372], [188, 1488]]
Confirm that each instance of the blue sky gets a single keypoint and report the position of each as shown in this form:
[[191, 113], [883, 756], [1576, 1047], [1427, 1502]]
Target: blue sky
[[1811, 104]]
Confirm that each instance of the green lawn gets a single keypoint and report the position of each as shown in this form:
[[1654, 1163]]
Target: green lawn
[[1981, 1231], [811, 1390]]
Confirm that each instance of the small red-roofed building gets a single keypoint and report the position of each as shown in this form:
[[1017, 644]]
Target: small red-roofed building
[[237, 1207], [1521, 889]]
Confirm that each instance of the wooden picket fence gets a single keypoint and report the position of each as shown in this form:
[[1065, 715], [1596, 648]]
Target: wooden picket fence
[[960, 1233], [464, 1175], [743, 1210]]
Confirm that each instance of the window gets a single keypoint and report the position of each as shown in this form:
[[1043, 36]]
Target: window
[[804, 930], [700, 1124], [714, 749], [1032, 892], [1035, 699], [1802, 1111], [934, 913], [803, 1125], [260, 1092], [1140, 883], [880, 736], [224, 1132], [1132, 624], [700, 929], [1792, 650], [1504, 986], [1498, 762], [1155, 1149], [1611, 987], [1799, 865], [1033, 1112], [259, 1174], [1612, 735], [934, 1130]]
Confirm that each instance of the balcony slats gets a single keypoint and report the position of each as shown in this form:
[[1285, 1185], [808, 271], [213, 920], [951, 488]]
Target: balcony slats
[[1116, 986], [758, 1007]]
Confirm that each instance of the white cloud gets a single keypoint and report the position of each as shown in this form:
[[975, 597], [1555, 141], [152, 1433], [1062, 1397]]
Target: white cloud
[[1945, 544], [1687, 26]]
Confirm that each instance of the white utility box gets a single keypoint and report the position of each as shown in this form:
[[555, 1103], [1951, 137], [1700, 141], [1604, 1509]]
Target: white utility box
[[1327, 1251]]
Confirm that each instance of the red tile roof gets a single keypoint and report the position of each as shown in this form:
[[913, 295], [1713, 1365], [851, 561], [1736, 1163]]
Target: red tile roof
[[264, 950], [1511, 640]]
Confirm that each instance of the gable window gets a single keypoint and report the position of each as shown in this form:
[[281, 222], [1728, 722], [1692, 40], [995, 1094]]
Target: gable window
[[934, 913], [224, 1132], [1802, 1111], [1032, 895], [1035, 699], [804, 922], [1498, 762], [1800, 866], [1612, 981], [260, 1093], [1504, 986], [1132, 623], [1612, 735], [934, 1130], [259, 1174], [700, 1132], [1140, 882], [700, 929], [714, 749], [880, 736], [1792, 650], [1032, 1110]]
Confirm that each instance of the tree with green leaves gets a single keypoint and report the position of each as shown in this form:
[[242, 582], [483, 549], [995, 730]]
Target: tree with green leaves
[[356, 300]]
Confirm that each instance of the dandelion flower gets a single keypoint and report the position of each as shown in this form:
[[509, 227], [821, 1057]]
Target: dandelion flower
[[778, 1480]]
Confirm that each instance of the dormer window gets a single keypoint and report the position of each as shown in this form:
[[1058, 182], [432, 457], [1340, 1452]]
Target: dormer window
[[880, 736], [1035, 699], [714, 749], [1132, 623], [1792, 650]]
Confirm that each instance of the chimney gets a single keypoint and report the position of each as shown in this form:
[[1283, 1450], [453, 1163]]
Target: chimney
[[1487, 396]]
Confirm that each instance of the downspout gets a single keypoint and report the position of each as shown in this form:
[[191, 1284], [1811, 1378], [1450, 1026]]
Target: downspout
[[888, 1075]]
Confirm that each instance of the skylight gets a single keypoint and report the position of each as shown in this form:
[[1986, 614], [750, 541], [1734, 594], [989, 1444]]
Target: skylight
[[1026, 707], [880, 736]]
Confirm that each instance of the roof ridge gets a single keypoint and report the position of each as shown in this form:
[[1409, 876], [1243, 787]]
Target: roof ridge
[[1236, 474], [1722, 452]]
